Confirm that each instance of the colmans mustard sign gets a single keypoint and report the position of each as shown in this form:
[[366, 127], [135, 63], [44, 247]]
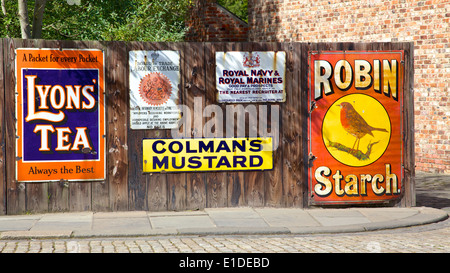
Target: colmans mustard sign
[[207, 154], [355, 126]]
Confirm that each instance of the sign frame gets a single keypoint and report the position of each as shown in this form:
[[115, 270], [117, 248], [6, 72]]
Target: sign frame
[[229, 148], [89, 163], [334, 179], [150, 108], [250, 76]]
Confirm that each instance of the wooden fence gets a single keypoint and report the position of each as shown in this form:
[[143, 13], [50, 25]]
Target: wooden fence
[[128, 188]]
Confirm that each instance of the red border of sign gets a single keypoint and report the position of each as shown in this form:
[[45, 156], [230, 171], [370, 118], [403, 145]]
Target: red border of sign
[[99, 166], [319, 156]]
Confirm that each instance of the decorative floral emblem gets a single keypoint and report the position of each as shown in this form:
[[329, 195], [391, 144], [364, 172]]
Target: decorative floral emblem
[[155, 88]]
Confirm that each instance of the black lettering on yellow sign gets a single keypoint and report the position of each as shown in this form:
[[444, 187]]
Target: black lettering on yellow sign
[[226, 154]]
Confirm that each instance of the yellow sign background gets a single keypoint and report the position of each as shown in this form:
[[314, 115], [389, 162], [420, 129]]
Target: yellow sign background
[[207, 154], [375, 115]]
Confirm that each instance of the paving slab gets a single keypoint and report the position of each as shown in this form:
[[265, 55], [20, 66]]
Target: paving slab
[[16, 225], [20, 217], [280, 217], [387, 214], [119, 214], [236, 217], [240, 222], [121, 224], [338, 217], [232, 213], [68, 216], [181, 221], [60, 225], [10, 235], [63, 221], [176, 213]]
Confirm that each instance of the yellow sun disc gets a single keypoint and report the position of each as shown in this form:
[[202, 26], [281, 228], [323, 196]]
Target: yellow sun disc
[[341, 144]]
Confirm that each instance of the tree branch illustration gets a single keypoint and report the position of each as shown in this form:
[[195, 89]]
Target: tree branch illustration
[[356, 153]]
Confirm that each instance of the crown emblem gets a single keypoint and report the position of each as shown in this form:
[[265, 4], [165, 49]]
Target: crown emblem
[[154, 56], [251, 59]]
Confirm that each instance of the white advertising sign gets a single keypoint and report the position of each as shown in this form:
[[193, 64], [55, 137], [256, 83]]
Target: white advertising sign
[[154, 80], [257, 76]]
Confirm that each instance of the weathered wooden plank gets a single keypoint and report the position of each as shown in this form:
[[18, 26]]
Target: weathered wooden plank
[[216, 189], [409, 127], [58, 195], [137, 181], [2, 133], [15, 191], [176, 182], [80, 196], [37, 197], [273, 179], [292, 134], [157, 193], [194, 93], [116, 188], [409, 198], [237, 185], [255, 180]]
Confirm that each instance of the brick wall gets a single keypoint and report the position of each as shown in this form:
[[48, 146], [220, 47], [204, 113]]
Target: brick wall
[[426, 23], [210, 22]]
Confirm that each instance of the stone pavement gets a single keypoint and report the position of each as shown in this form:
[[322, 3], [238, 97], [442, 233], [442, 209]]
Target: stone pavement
[[405, 240], [240, 230], [433, 200], [214, 221], [433, 190]]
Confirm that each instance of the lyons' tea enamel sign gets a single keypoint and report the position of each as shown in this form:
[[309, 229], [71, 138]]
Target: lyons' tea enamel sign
[[60, 111], [355, 126]]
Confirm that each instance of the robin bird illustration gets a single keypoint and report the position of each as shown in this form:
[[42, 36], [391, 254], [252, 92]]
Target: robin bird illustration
[[355, 124]]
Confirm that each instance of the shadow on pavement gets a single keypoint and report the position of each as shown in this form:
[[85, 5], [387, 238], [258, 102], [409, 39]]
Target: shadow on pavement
[[433, 190], [431, 201]]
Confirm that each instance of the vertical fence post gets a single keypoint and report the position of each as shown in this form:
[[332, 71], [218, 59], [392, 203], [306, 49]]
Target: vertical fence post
[[2, 132]]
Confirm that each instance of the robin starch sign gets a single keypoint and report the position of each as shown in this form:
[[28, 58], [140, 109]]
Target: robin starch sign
[[60, 111], [355, 126]]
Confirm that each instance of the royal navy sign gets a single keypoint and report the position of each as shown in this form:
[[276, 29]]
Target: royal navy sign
[[355, 126], [257, 76], [60, 111]]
